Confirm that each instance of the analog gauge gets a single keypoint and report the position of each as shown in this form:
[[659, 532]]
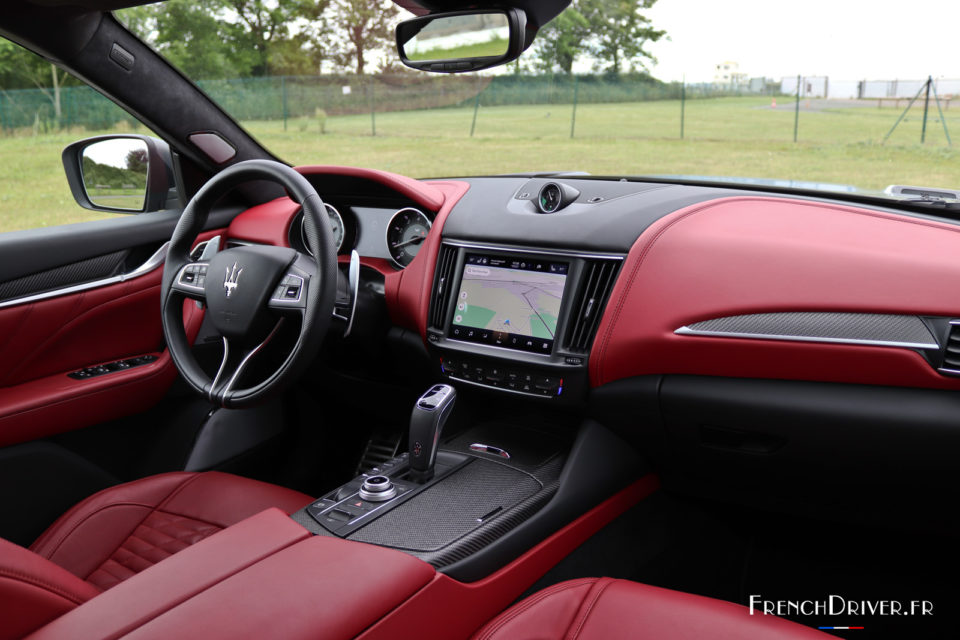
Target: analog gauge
[[336, 226], [550, 197], [406, 232]]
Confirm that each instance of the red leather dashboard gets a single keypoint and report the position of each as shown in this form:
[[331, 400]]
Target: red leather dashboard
[[407, 291], [747, 255]]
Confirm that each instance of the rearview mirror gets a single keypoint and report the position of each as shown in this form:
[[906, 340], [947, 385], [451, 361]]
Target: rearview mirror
[[462, 40], [124, 173]]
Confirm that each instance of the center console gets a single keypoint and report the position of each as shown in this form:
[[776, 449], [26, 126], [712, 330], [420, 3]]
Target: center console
[[469, 503], [518, 320]]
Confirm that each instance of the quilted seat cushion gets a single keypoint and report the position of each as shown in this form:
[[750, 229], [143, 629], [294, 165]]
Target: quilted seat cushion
[[123, 530], [158, 537]]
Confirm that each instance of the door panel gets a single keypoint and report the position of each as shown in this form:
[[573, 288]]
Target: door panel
[[94, 317]]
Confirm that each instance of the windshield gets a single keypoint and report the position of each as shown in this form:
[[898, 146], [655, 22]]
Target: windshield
[[840, 96]]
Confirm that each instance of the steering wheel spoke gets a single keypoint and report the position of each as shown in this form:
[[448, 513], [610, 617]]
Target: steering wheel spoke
[[234, 364], [191, 280]]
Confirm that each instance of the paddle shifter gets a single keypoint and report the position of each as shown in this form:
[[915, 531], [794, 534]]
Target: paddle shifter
[[430, 413]]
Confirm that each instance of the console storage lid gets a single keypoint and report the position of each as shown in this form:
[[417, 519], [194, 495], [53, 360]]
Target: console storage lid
[[263, 577]]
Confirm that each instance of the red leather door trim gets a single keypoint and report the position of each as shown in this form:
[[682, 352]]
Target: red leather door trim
[[43, 341]]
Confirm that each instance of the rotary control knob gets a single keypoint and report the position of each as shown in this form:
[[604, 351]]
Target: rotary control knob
[[378, 489]]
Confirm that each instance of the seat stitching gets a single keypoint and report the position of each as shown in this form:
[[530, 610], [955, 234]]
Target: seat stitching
[[104, 507], [181, 598], [166, 539], [104, 568], [586, 612], [180, 515], [176, 491], [67, 533], [530, 602], [38, 582]]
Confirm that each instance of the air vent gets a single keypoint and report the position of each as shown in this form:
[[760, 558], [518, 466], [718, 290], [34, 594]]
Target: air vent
[[597, 283], [442, 284], [951, 352]]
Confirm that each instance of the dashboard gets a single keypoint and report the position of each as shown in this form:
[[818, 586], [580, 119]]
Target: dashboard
[[618, 279], [758, 348]]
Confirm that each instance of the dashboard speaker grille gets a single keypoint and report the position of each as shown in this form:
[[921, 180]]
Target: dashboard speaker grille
[[597, 283], [951, 351], [442, 284]]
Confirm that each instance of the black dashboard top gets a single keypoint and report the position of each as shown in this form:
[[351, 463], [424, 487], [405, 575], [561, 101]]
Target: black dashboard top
[[606, 216]]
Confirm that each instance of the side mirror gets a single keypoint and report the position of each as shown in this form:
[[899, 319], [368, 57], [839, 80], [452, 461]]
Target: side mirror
[[463, 40], [121, 173]]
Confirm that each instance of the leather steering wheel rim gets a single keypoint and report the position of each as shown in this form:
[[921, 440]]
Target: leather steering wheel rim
[[318, 292]]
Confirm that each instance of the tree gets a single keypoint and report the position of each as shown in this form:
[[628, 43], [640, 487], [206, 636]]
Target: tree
[[366, 25], [561, 40], [611, 32], [620, 33], [190, 35], [23, 69], [234, 38]]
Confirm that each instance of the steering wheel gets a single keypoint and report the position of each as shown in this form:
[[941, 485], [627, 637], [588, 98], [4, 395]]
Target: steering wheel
[[250, 291]]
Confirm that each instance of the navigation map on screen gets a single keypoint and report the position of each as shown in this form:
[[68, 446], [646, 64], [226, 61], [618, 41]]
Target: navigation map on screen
[[511, 302]]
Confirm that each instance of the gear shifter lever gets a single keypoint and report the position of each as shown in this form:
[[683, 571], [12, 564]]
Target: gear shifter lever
[[430, 413]]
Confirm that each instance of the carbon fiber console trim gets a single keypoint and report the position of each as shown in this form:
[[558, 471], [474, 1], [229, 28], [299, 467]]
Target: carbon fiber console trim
[[874, 329]]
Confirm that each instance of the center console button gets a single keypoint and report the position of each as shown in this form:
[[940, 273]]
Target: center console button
[[495, 374], [339, 515], [377, 489]]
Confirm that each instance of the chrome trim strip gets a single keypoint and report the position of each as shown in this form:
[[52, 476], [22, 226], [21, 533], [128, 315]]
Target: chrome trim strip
[[547, 252], [223, 364], [243, 363], [507, 349], [687, 331], [152, 263]]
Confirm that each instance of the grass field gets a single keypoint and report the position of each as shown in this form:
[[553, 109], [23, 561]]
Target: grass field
[[838, 143]]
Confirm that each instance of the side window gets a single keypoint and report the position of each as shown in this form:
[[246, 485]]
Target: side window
[[43, 110]]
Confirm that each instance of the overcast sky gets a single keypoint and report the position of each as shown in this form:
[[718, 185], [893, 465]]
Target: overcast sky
[[843, 39]]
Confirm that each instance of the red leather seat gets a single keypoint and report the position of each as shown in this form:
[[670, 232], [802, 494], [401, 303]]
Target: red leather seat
[[609, 609], [120, 531]]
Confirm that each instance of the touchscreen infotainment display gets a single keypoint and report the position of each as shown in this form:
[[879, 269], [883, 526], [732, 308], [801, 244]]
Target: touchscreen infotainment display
[[509, 302]]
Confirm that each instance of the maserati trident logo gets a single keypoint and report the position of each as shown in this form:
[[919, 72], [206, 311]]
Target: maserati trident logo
[[230, 280]]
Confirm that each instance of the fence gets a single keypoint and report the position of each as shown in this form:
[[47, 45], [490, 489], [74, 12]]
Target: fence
[[574, 106], [285, 97]]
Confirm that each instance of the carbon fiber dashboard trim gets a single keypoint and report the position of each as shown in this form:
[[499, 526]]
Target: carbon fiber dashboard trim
[[872, 329]]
